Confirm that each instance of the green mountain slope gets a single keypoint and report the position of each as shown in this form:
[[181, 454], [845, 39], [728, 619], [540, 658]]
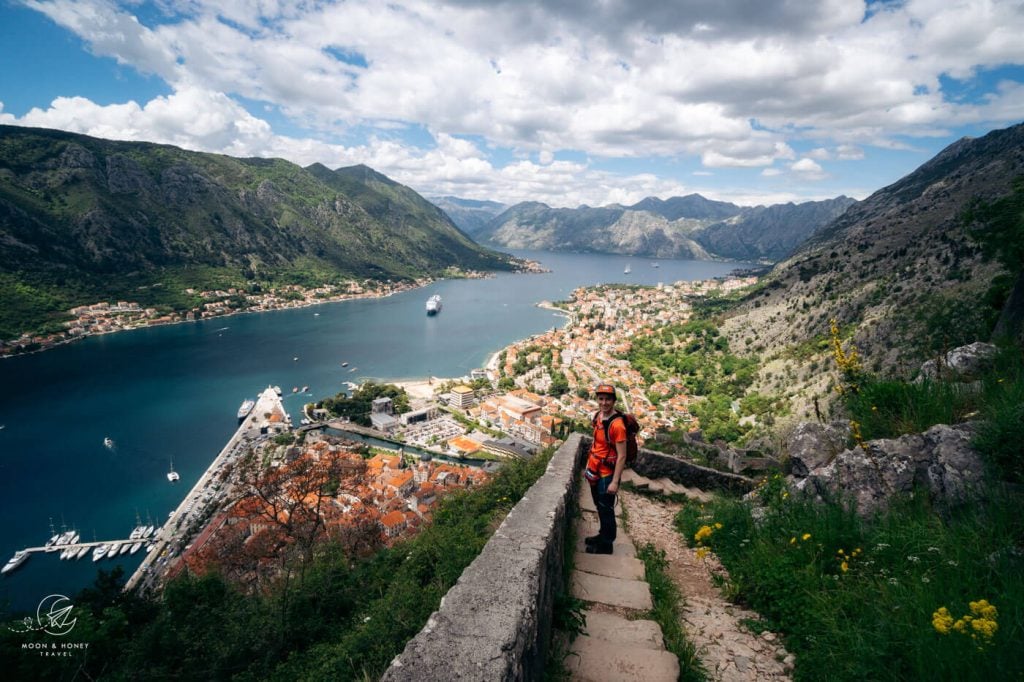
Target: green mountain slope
[[84, 219], [899, 271]]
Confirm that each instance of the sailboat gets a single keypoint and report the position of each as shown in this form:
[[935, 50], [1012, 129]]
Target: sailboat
[[627, 270], [172, 475]]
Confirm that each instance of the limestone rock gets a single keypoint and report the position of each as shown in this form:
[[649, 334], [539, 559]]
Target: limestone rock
[[965, 363], [812, 445], [940, 460]]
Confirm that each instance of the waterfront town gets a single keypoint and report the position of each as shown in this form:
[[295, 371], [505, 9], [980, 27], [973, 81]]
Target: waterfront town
[[278, 488], [320, 480]]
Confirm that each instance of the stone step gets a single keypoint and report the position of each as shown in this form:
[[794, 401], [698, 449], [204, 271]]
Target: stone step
[[611, 565], [664, 485], [630, 594], [586, 527], [645, 634], [597, 660]]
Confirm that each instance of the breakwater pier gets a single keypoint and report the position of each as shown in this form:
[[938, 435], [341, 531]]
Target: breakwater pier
[[212, 488]]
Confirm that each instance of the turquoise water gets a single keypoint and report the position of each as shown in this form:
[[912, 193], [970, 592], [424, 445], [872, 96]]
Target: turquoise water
[[171, 393]]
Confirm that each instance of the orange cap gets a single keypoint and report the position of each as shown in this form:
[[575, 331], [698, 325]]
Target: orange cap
[[604, 388]]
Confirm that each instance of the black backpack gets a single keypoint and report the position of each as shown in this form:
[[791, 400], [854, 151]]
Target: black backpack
[[632, 429]]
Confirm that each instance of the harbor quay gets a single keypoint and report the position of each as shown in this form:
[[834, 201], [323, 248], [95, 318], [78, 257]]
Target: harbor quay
[[268, 409]]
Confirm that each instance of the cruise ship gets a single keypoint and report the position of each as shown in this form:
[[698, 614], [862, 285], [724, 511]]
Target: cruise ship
[[433, 305], [245, 409]]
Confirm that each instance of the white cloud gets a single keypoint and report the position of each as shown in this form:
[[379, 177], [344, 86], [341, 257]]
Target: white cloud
[[615, 79]]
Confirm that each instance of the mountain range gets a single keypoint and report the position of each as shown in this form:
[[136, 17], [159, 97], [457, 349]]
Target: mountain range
[[691, 226], [85, 219]]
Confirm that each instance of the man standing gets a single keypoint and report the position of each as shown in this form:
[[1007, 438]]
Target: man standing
[[604, 467]]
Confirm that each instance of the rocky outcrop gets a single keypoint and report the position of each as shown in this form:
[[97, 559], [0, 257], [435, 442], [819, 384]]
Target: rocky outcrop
[[812, 445], [940, 461], [966, 363]]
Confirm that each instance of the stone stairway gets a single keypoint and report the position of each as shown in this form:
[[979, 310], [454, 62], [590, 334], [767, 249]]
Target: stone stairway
[[617, 644]]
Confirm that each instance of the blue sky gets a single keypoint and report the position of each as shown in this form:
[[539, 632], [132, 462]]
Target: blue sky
[[561, 101]]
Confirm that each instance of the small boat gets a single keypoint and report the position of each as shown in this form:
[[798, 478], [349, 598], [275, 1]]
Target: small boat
[[295, 359], [150, 547], [344, 364], [172, 475], [316, 314], [655, 265], [305, 389], [18, 559], [136, 547], [108, 443], [82, 551], [149, 531], [627, 270], [353, 369], [99, 552], [295, 389], [114, 549], [125, 547]]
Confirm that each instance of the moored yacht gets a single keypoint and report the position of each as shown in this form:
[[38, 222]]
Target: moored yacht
[[99, 552], [18, 559], [172, 475], [245, 409]]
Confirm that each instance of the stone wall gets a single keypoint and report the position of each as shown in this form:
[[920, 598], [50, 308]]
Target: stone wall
[[495, 622], [657, 465]]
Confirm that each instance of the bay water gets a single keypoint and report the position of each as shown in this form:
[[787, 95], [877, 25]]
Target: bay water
[[170, 395]]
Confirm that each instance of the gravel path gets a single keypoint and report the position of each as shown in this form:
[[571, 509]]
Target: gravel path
[[728, 650]]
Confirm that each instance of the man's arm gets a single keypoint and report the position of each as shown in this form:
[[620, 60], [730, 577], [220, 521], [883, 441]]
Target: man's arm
[[620, 464]]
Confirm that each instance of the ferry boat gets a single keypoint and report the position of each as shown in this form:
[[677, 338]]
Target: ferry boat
[[18, 559], [245, 409], [433, 305]]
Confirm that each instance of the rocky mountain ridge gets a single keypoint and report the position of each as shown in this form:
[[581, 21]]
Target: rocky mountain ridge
[[899, 271], [679, 227]]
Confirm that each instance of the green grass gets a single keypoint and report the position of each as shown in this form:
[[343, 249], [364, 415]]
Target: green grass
[[873, 621], [666, 613]]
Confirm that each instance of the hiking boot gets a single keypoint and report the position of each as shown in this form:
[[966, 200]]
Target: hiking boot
[[592, 540], [600, 548]]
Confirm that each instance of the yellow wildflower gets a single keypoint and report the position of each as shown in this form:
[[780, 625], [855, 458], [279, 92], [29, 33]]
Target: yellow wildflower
[[703, 533], [805, 537], [844, 566], [942, 621], [792, 540], [702, 552]]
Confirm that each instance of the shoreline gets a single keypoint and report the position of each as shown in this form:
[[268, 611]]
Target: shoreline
[[304, 304]]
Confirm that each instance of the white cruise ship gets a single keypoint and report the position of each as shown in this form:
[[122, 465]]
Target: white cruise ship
[[433, 305]]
